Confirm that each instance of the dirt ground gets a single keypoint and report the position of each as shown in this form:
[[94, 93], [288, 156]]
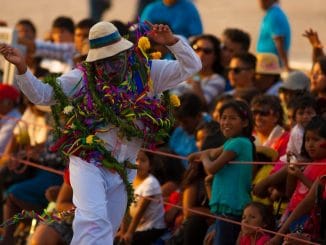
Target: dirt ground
[[216, 15]]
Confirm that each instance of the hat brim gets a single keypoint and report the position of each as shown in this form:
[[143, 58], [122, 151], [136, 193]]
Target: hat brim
[[108, 51], [275, 72], [286, 86]]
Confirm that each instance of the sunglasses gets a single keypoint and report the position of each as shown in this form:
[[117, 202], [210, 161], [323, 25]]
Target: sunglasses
[[237, 70], [198, 49], [263, 113]]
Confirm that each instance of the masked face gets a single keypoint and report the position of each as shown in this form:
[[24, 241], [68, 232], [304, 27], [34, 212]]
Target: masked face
[[112, 69]]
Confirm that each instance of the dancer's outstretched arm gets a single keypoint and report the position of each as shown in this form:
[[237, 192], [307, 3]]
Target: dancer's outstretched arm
[[13, 56]]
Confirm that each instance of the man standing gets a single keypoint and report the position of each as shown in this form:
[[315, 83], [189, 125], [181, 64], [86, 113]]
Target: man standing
[[275, 32], [182, 16], [105, 132]]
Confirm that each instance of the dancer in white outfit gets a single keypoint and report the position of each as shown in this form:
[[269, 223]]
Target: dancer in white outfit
[[102, 147]]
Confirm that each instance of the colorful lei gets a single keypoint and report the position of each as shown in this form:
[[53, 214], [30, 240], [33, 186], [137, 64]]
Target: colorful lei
[[101, 103]]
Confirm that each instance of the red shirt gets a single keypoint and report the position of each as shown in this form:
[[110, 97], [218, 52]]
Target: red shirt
[[312, 172]]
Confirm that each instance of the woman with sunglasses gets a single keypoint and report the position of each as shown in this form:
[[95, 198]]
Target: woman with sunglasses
[[208, 83], [269, 119], [269, 132]]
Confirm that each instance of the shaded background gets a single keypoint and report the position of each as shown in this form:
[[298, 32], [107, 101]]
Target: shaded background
[[215, 14]]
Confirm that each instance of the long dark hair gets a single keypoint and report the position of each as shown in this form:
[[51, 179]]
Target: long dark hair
[[244, 112], [266, 213], [317, 125], [192, 175]]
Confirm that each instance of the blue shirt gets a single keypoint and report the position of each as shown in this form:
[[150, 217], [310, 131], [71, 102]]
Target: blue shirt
[[275, 23], [232, 184], [183, 143], [182, 17]]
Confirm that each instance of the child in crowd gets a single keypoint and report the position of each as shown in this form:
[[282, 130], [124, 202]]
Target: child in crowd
[[220, 101], [229, 201], [304, 109], [189, 116], [209, 135], [259, 215], [313, 204], [194, 190], [301, 180], [147, 215]]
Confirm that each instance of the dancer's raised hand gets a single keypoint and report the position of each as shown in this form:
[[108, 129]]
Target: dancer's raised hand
[[161, 34], [12, 55]]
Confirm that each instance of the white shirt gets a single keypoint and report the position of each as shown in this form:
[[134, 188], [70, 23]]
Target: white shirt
[[33, 126], [295, 142], [212, 86], [153, 217], [165, 74]]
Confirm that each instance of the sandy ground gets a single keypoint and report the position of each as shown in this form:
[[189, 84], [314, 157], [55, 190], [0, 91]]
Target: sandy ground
[[216, 15]]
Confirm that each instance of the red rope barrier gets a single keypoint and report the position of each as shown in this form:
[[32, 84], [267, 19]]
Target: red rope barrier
[[29, 163], [184, 157], [231, 162]]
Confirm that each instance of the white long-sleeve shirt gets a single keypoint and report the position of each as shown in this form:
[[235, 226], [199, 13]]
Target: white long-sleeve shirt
[[165, 74]]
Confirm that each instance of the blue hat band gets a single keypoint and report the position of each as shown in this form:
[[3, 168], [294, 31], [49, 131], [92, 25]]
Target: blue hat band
[[105, 41]]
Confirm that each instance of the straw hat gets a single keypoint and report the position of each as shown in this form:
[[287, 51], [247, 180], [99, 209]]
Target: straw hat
[[267, 63], [105, 41]]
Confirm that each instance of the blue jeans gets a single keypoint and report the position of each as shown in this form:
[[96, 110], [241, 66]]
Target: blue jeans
[[227, 233]]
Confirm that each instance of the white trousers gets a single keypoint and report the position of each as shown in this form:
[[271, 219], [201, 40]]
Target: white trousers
[[100, 199]]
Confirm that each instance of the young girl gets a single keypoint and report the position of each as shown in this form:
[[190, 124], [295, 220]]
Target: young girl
[[304, 109], [147, 216], [232, 182], [301, 181], [255, 214]]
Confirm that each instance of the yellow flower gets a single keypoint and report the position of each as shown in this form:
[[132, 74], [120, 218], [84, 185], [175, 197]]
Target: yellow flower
[[156, 55], [144, 44], [174, 100], [68, 109], [90, 139]]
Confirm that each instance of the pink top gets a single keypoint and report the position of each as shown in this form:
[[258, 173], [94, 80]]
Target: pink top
[[260, 240], [312, 172]]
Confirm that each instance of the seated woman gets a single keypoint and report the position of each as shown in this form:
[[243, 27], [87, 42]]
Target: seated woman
[[269, 132]]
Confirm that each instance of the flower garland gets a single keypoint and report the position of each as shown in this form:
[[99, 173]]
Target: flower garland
[[45, 218], [101, 103]]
